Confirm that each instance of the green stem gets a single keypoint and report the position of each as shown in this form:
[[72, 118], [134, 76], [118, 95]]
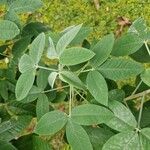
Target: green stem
[[137, 87], [70, 100], [126, 104], [45, 68], [4, 55], [55, 89], [146, 45], [131, 97], [82, 68], [60, 67], [87, 70], [81, 96], [141, 109]]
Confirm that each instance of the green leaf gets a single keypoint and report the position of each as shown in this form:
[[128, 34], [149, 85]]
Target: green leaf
[[51, 123], [98, 136], [32, 95], [33, 29], [66, 30], [145, 76], [42, 106], [42, 77], [20, 47], [145, 138], [81, 35], [21, 6], [51, 52], [4, 126], [24, 84], [97, 86], [4, 89], [8, 29], [6, 146], [75, 55], [90, 114], [59, 97], [145, 119], [32, 142], [13, 128], [65, 40], [127, 44], [51, 78], [19, 108], [71, 78], [120, 68], [3, 2], [26, 63], [141, 52], [77, 137], [123, 141], [12, 16], [116, 94], [123, 119], [37, 48], [139, 27], [102, 50], [40, 144]]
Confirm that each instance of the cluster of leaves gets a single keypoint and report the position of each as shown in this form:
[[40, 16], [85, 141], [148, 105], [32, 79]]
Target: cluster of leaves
[[82, 75]]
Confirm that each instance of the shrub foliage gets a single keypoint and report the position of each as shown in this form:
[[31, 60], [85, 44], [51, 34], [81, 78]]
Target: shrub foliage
[[46, 69]]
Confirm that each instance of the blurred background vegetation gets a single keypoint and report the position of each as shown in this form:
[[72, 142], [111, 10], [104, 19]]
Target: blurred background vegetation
[[59, 14]]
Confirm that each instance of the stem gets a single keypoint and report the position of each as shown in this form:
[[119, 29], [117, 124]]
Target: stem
[[136, 88], [60, 67], [81, 96], [137, 95], [55, 89], [87, 70], [5, 55], [70, 100], [82, 68], [141, 109], [125, 102], [146, 45], [45, 68]]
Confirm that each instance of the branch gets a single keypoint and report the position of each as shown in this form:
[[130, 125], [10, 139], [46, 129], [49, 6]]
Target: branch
[[137, 95]]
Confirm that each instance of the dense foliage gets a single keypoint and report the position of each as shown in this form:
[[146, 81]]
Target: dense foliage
[[60, 83], [62, 13]]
